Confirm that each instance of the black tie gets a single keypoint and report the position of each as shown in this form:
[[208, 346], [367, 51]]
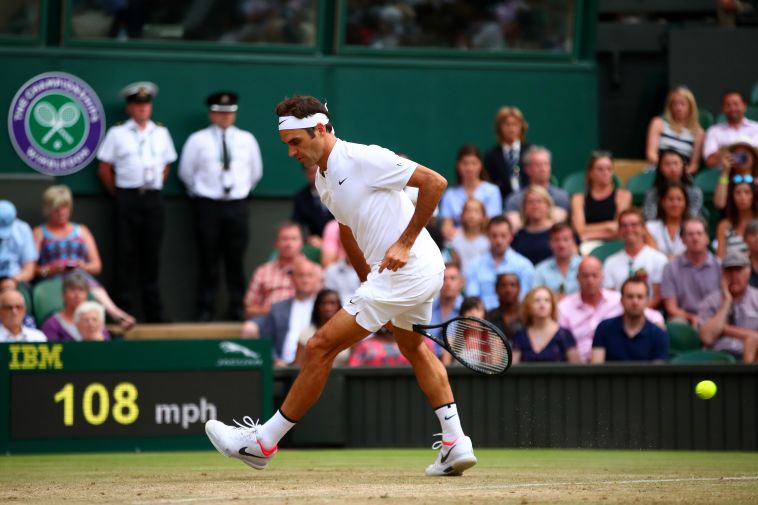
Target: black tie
[[224, 150]]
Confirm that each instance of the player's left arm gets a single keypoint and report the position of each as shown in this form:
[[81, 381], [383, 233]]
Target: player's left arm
[[430, 186]]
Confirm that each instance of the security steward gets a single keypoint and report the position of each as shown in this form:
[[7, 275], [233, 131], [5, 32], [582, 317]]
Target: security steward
[[220, 165], [134, 163]]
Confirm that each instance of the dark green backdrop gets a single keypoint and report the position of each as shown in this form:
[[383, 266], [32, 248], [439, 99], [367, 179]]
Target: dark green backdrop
[[425, 108]]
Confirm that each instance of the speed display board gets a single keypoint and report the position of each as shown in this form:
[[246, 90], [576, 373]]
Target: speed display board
[[127, 395]]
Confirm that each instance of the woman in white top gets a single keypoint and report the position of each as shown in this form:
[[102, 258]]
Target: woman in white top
[[470, 184], [672, 211], [472, 242], [679, 129]]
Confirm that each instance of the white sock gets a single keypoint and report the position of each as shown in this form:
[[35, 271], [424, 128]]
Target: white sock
[[274, 429], [450, 422]]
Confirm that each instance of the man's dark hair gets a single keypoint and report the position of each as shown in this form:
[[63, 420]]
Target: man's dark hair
[[633, 280], [559, 227], [303, 106], [728, 92], [499, 220]]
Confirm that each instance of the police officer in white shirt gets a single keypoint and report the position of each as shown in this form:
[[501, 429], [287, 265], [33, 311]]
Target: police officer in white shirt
[[220, 165], [134, 163]]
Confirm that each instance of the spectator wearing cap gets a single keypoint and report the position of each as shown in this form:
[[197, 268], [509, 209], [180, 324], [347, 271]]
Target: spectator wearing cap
[[12, 314], [728, 317], [220, 165], [739, 165], [17, 252], [134, 162], [751, 239], [690, 277], [736, 126], [61, 326]]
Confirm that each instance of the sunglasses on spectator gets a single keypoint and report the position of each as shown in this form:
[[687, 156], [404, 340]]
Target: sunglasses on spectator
[[737, 179]]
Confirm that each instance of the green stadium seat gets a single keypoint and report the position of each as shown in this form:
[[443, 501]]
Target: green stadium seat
[[721, 118], [705, 119], [47, 299], [604, 250], [574, 183], [705, 356], [639, 184], [754, 94], [682, 338], [752, 112], [23, 288], [706, 180]]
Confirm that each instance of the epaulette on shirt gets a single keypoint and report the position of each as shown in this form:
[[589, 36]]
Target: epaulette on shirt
[[158, 123], [118, 123]]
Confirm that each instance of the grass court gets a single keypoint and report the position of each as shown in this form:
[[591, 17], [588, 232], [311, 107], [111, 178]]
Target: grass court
[[519, 476]]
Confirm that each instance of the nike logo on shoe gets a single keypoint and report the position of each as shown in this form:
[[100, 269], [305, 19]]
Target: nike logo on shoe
[[340, 182], [243, 452], [443, 457]]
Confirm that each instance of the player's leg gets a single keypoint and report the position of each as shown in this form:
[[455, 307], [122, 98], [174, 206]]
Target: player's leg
[[256, 444], [456, 450]]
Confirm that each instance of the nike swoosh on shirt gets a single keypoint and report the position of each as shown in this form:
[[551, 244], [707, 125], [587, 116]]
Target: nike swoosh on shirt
[[445, 456], [343, 180], [243, 452]]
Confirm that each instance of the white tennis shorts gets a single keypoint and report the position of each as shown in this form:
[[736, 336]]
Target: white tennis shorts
[[403, 299]]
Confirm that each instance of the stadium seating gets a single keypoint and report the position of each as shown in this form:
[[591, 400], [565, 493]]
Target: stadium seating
[[24, 290], [706, 180], [754, 94], [705, 119], [752, 112], [601, 252], [638, 186], [47, 298], [704, 356], [682, 338]]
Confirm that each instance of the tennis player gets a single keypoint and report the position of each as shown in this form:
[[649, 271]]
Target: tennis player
[[400, 268]]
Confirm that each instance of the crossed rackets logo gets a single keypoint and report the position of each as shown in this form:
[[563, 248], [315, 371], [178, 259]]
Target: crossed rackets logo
[[54, 123]]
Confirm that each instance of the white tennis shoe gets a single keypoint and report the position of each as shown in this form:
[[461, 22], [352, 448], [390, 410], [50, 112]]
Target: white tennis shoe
[[241, 442], [454, 457]]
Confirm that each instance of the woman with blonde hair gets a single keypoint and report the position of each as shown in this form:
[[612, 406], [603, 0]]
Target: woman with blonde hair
[[542, 338], [472, 242], [533, 239], [65, 247], [678, 129], [505, 161]]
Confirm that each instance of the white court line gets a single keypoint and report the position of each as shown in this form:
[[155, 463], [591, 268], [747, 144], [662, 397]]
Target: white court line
[[199, 499]]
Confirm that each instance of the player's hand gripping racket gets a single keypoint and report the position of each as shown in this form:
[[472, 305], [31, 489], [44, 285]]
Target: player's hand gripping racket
[[477, 344]]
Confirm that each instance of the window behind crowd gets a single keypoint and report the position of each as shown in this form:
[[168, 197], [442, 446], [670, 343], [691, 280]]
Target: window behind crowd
[[19, 18], [484, 25], [289, 22]]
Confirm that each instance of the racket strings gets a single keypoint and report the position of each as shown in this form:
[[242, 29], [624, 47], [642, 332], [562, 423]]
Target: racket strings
[[478, 345]]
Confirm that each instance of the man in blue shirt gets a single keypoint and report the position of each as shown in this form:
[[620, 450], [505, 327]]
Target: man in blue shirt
[[500, 259], [17, 250], [630, 337], [559, 272]]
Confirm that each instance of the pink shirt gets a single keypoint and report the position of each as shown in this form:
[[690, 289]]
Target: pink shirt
[[722, 135], [331, 240], [582, 318]]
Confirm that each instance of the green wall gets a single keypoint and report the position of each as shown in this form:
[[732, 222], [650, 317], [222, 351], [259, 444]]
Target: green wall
[[423, 107]]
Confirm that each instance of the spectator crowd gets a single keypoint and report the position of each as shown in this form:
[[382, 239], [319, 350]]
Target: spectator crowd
[[569, 274]]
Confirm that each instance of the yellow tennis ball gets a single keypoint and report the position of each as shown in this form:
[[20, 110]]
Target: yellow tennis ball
[[706, 390]]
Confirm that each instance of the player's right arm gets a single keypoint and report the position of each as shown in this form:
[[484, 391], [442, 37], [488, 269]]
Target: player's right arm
[[354, 252]]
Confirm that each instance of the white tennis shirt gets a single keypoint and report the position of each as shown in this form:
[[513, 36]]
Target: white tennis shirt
[[363, 189]]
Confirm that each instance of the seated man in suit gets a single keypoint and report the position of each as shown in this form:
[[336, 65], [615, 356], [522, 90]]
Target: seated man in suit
[[288, 318]]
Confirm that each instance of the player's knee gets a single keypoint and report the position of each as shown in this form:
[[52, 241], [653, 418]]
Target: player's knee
[[412, 350], [317, 347]]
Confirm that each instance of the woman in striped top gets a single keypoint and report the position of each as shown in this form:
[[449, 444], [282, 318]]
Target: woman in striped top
[[678, 129], [741, 208]]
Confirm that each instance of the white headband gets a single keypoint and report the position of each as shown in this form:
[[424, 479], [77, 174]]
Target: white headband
[[292, 123]]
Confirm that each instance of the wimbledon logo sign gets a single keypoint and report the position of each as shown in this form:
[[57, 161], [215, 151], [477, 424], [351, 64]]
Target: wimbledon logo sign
[[56, 122]]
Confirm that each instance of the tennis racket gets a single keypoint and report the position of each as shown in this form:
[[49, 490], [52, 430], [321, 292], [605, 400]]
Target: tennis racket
[[475, 343]]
